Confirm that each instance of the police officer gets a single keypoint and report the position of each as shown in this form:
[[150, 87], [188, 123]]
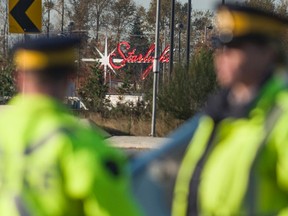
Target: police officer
[[50, 164], [237, 160]]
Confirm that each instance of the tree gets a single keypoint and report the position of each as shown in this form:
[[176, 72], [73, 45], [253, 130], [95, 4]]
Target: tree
[[60, 6], [126, 87], [201, 24], [48, 5], [97, 14], [282, 8], [165, 13], [7, 84], [79, 13], [4, 27], [137, 38], [268, 5], [139, 42], [94, 89], [186, 93], [145, 26], [122, 14], [278, 7]]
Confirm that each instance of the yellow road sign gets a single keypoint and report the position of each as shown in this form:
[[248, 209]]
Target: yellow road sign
[[25, 16]]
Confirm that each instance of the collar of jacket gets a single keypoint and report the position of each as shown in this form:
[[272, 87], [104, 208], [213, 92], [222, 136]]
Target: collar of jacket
[[267, 94], [219, 108], [30, 103]]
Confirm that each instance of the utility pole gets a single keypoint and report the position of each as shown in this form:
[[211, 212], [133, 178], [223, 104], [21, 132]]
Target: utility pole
[[156, 68], [172, 24], [223, 2], [48, 26], [188, 35], [49, 4], [62, 18]]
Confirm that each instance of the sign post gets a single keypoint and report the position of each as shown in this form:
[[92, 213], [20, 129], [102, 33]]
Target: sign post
[[156, 68], [25, 16]]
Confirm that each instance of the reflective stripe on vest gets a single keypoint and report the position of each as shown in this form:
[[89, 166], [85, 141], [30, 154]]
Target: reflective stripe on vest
[[188, 164], [252, 192], [32, 147]]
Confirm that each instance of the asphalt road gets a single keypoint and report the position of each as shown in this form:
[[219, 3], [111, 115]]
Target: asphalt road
[[134, 145]]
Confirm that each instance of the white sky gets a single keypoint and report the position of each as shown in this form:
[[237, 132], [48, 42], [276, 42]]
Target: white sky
[[196, 4]]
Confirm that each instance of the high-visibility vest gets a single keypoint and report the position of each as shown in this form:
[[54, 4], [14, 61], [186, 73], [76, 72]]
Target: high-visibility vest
[[243, 168], [51, 164]]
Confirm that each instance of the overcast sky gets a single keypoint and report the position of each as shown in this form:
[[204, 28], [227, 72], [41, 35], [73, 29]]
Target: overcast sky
[[196, 4]]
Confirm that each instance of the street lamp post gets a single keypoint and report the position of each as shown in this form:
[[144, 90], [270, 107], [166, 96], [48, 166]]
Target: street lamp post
[[156, 68], [62, 18], [70, 28], [188, 34], [206, 32], [171, 51], [179, 26]]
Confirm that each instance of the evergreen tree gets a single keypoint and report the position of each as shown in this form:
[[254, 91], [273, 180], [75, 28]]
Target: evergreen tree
[[268, 5], [7, 84], [94, 90], [186, 93], [137, 38], [139, 42]]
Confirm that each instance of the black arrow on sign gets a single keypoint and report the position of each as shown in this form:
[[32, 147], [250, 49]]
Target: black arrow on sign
[[19, 14]]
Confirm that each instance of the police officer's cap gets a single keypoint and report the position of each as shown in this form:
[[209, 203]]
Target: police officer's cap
[[42, 54], [238, 23]]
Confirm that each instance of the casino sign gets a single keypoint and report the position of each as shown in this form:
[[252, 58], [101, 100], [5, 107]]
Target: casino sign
[[124, 54]]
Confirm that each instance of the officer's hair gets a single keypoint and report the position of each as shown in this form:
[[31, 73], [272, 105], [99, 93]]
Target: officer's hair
[[281, 58], [52, 75], [276, 44]]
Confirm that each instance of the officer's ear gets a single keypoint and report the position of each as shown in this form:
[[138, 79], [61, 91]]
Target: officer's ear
[[19, 79]]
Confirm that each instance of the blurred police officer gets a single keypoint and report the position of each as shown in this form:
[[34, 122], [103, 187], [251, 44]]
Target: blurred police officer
[[49, 163], [237, 160]]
